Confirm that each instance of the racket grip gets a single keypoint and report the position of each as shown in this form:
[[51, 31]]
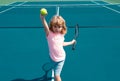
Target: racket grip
[[73, 46]]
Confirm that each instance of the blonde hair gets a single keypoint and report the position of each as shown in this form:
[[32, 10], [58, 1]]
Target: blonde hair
[[58, 20]]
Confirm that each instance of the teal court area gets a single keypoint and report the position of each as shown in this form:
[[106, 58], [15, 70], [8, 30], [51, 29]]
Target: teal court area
[[24, 49]]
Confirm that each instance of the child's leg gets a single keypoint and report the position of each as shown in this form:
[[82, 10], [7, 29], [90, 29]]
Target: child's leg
[[57, 78], [53, 75], [57, 70]]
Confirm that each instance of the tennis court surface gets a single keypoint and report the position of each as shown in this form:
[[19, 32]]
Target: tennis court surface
[[23, 45]]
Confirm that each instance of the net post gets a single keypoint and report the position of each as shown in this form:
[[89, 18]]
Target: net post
[[57, 10]]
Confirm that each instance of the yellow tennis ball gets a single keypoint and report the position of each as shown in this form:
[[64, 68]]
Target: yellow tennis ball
[[43, 11]]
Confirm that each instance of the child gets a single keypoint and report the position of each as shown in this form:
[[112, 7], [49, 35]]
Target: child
[[55, 36]]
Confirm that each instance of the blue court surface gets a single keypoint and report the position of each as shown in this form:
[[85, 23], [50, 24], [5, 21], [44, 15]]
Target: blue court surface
[[24, 49]]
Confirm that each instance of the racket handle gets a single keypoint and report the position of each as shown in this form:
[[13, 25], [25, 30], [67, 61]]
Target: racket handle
[[73, 46]]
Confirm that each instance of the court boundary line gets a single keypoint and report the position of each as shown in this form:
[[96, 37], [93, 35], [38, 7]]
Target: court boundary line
[[107, 7], [111, 3], [68, 27], [12, 3], [106, 2], [8, 4], [12, 7], [61, 5]]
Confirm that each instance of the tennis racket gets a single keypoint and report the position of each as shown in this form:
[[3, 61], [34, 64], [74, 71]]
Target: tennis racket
[[75, 36]]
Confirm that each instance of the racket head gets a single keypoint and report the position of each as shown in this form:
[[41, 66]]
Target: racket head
[[47, 66], [76, 32]]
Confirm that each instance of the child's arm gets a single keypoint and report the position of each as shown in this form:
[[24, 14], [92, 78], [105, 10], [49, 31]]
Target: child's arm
[[45, 24], [69, 43]]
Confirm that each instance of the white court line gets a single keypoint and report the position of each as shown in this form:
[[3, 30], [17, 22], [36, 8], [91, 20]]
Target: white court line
[[107, 7], [12, 7], [112, 9], [117, 4], [12, 3], [110, 2], [7, 4], [106, 2]]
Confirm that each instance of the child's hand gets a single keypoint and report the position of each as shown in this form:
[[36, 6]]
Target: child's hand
[[73, 41], [42, 17]]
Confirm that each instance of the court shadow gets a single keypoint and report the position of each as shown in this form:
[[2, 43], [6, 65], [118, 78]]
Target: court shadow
[[43, 78], [36, 79], [46, 68]]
